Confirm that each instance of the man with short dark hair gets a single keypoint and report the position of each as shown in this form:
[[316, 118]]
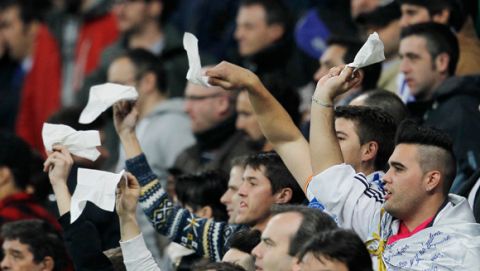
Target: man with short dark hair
[[266, 181], [265, 43], [451, 13], [429, 55], [35, 85], [33, 245], [289, 228], [417, 210]]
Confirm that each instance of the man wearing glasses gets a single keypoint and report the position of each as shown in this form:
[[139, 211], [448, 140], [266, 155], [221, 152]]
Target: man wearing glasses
[[212, 115]]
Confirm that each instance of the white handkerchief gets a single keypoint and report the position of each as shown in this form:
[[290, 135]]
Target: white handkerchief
[[370, 53], [194, 74], [95, 186], [103, 96], [80, 143]]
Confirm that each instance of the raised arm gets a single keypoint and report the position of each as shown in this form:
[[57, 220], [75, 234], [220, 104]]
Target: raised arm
[[206, 237], [324, 148], [275, 122]]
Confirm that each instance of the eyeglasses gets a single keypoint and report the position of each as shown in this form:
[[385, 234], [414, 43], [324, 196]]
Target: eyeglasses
[[204, 97]]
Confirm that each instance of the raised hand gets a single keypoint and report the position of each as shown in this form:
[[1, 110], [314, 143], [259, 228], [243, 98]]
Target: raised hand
[[125, 117], [128, 192], [338, 81], [231, 77], [58, 165]]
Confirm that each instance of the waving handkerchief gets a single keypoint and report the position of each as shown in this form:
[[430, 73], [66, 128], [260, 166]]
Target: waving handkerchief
[[194, 74], [103, 96], [80, 143], [95, 186], [370, 53]]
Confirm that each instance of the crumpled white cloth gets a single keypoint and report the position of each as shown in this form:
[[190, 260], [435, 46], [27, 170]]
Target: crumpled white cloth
[[95, 186], [371, 52], [80, 143], [103, 96], [194, 74]]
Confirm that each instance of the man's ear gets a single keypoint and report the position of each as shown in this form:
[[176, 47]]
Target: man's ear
[[48, 264], [275, 32], [148, 83], [442, 17], [369, 151], [432, 180], [284, 195], [441, 62]]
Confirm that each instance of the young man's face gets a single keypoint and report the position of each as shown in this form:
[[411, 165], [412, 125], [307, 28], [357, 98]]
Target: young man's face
[[349, 142], [253, 33], [230, 198], [403, 182], [17, 36], [332, 57], [19, 258], [131, 14], [246, 118], [413, 14], [271, 254], [256, 198], [420, 70]]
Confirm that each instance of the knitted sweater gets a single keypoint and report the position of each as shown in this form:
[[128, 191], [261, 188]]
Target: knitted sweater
[[205, 236]]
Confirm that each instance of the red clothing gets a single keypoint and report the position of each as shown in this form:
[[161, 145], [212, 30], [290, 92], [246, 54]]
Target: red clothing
[[404, 232], [22, 206], [95, 35], [40, 94]]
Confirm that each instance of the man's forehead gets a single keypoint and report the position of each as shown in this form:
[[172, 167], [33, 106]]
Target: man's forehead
[[282, 225]]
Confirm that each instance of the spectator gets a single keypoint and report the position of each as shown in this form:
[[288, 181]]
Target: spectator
[[83, 28], [221, 266], [417, 209], [337, 249], [286, 231], [30, 44], [212, 115], [15, 203], [266, 182], [451, 13], [385, 100], [33, 245], [230, 197], [163, 128], [141, 26], [370, 133], [429, 56], [265, 42]]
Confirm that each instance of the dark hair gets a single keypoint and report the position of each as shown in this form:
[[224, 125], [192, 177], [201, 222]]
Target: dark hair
[[70, 115], [371, 73], [440, 157], [313, 222], [203, 189], [219, 266], [16, 155], [245, 240], [457, 13], [440, 39], [276, 11], [380, 16], [338, 245], [146, 62], [388, 102], [115, 256], [238, 161], [41, 239], [372, 124], [277, 173], [29, 10]]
